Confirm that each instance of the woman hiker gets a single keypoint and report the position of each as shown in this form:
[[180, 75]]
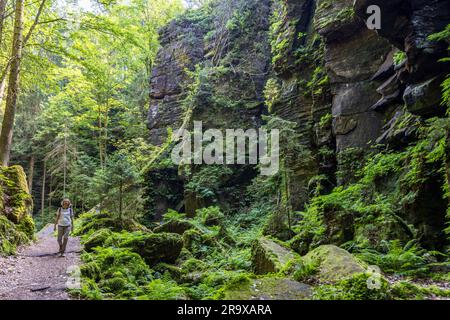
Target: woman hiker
[[64, 221]]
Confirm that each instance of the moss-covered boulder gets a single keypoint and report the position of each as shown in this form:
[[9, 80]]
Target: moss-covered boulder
[[152, 247], [333, 263], [353, 288], [268, 289], [174, 226], [16, 204], [16, 201], [93, 221], [97, 239], [269, 257], [10, 236]]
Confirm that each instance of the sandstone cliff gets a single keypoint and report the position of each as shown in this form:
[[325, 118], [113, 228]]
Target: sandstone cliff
[[348, 92]]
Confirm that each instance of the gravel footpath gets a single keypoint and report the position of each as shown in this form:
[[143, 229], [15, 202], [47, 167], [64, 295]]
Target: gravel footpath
[[37, 272]]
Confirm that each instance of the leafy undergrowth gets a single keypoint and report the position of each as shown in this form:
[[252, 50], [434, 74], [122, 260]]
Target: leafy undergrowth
[[408, 260], [216, 256], [120, 264]]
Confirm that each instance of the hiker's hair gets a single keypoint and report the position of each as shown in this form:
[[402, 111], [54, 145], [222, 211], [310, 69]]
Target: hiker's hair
[[66, 200]]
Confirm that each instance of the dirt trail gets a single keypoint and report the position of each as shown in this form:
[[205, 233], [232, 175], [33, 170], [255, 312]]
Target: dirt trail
[[36, 272]]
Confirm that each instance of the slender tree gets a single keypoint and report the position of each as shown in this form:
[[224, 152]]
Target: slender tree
[[13, 85], [3, 4], [44, 175]]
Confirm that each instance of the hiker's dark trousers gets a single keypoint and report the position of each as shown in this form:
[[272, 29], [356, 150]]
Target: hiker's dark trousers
[[63, 237]]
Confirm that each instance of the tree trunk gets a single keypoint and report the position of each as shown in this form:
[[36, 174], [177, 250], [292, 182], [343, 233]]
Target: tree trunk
[[50, 193], [3, 4], [13, 86], [2, 89], [120, 199], [31, 173], [43, 188]]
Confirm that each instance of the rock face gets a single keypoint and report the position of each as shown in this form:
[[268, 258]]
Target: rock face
[[269, 289], [182, 48], [304, 95], [407, 25], [228, 62], [314, 66], [353, 55], [333, 263], [269, 257]]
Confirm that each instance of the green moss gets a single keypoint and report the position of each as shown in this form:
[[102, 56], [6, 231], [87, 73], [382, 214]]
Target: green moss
[[399, 57], [161, 289], [405, 290], [378, 194], [210, 216], [354, 288], [271, 93], [154, 248], [26, 225], [305, 270], [114, 273], [14, 184], [332, 263], [269, 256], [10, 236], [267, 288], [96, 239], [333, 14]]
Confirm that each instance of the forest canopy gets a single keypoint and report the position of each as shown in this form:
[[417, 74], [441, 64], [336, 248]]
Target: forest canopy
[[83, 93]]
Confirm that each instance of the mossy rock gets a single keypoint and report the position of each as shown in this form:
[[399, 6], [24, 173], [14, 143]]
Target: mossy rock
[[333, 263], [10, 236], [16, 203], [174, 226], [353, 288], [111, 273], [270, 257], [97, 239], [301, 242], [211, 216], [26, 225], [269, 289], [333, 16], [175, 273], [153, 247], [93, 221]]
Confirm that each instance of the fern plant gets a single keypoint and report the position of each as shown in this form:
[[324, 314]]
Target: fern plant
[[406, 260]]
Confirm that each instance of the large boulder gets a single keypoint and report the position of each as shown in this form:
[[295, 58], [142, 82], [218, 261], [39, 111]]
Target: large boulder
[[333, 263], [97, 239], [154, 248], [270, 257], [16, 205], [174, 226], [269, 289], [16, 202]]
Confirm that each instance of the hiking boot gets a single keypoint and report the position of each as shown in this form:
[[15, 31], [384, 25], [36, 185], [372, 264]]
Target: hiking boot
[[62, 255]]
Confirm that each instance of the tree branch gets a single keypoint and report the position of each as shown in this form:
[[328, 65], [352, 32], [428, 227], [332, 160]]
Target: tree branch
[[35, 22]]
